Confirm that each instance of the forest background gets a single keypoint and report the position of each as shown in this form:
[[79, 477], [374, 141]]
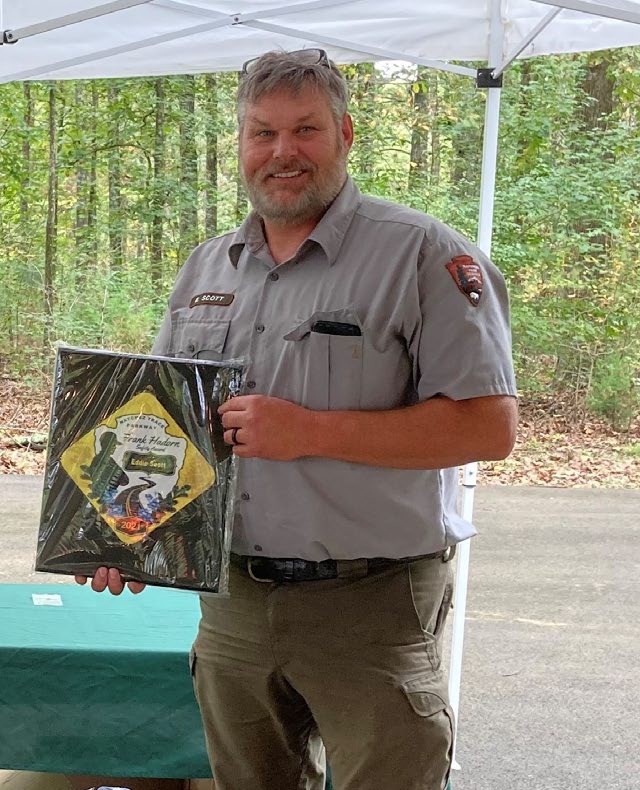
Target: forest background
[[108, 184]]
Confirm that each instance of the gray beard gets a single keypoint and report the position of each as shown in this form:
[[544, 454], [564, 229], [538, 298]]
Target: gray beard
[[310, 204]]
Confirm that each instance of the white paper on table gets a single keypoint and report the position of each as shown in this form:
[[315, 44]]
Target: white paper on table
[[46, 599]]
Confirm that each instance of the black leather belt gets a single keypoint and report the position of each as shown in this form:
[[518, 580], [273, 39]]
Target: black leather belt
[[274, 569]]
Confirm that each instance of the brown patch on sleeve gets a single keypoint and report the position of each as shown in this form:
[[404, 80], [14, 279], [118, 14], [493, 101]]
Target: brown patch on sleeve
[[467, 275]]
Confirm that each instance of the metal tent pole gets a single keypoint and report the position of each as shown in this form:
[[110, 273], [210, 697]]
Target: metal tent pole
[[12, 36], [485, 229]]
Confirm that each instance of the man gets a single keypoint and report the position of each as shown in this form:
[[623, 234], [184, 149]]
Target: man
[[378, 360]]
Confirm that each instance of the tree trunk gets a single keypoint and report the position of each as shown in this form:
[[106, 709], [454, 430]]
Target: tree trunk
[[598, 86], [361, 88], [116, 212], [211, 138], [92, 204], [188, 224], [157, 195], [80, 228], [26, 157], [466, 141], [242, 201], [52, 221], [418, 165], [434, 113], [595, 114]]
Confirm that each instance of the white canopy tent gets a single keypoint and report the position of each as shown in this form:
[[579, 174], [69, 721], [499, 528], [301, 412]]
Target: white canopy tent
[[74, 39], [67, 39]]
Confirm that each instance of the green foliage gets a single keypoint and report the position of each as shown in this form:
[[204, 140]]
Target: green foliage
[[134, 193]]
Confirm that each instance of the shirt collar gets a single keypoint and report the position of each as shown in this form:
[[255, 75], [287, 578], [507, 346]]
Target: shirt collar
[[329, 233], [249, 234]]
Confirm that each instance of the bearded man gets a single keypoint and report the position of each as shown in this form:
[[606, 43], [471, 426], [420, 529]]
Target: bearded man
[[378, 360]]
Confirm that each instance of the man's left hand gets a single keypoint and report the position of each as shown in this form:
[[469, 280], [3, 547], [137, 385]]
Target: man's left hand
[[270, 428]]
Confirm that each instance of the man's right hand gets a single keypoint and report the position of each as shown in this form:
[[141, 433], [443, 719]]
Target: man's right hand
[[110, 578]]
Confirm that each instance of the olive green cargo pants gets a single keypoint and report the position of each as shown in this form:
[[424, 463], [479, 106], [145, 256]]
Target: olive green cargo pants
[[282, 671]]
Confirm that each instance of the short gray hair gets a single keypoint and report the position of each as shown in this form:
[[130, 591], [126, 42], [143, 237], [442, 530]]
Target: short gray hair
[[277, 70]]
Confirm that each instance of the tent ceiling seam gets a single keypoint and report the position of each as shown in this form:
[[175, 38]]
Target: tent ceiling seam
[[517, 50], [363, 49]]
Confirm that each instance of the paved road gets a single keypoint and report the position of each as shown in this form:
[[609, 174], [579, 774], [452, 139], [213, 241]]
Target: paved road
[[551, 683]]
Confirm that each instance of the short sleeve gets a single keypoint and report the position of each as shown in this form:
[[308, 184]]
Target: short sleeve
[[162, 343], [462, 346]]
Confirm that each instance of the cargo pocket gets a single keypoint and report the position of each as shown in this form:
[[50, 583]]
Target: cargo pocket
[[203, 339], [328, 367], [427, 697], [431, 596], [445, 606], [192, 669]]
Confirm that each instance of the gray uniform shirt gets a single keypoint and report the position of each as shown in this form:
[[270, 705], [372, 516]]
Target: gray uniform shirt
[[429, 327]]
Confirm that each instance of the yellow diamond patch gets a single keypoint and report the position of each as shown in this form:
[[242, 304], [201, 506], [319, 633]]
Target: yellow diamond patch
[[138, 468]]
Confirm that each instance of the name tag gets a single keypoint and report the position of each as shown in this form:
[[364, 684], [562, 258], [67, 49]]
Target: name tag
[[211, 299]]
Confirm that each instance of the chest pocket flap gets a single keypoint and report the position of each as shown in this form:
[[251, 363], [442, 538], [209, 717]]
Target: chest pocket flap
[[327, 367], [199, 339]]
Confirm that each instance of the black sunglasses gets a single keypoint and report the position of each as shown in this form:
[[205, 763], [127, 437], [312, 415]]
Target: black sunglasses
[[305, 57]]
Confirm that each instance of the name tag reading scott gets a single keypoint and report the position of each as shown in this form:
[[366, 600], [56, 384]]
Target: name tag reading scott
[[211, 299]]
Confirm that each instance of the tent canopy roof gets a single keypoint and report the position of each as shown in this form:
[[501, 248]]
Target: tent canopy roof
[[155, 37]]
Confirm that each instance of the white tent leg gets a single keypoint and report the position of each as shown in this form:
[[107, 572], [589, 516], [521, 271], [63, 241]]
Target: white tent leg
[[485, 230], [460, 601], [489, 162]]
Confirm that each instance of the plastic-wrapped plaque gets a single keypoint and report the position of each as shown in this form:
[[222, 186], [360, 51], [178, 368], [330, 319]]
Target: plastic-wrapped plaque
[[138, 476]]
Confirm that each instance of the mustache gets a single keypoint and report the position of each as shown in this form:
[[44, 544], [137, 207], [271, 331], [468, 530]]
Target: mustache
[[292, 164]]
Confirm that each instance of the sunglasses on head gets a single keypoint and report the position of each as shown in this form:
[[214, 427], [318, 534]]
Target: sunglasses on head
[[305, 57]]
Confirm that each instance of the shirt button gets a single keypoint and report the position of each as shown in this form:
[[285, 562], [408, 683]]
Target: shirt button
[[251, 384], [191, 348], [244, 495], [258, 547], [259, 327], [274, 276]]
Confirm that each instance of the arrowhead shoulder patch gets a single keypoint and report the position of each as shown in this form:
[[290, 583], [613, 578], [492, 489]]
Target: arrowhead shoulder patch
[[467, 275]]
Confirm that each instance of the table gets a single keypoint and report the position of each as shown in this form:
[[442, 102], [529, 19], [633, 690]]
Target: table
[[98, 684]]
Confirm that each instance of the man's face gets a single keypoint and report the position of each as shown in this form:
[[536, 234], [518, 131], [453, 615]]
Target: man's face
[[293, 155]]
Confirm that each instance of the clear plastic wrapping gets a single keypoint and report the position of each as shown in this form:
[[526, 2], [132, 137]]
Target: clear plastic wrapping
[[138, 476]]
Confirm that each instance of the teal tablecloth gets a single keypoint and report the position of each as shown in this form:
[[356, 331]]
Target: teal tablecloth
[[99, 685]]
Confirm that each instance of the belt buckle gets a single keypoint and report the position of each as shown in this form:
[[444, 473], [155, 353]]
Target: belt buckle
[[252, 575]]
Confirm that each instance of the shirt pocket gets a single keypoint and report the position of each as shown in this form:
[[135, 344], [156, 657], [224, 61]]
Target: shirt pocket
[[201, 339], [329, 366]]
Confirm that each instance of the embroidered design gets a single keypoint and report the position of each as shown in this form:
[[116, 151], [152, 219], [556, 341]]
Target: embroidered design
[[467, 275]]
